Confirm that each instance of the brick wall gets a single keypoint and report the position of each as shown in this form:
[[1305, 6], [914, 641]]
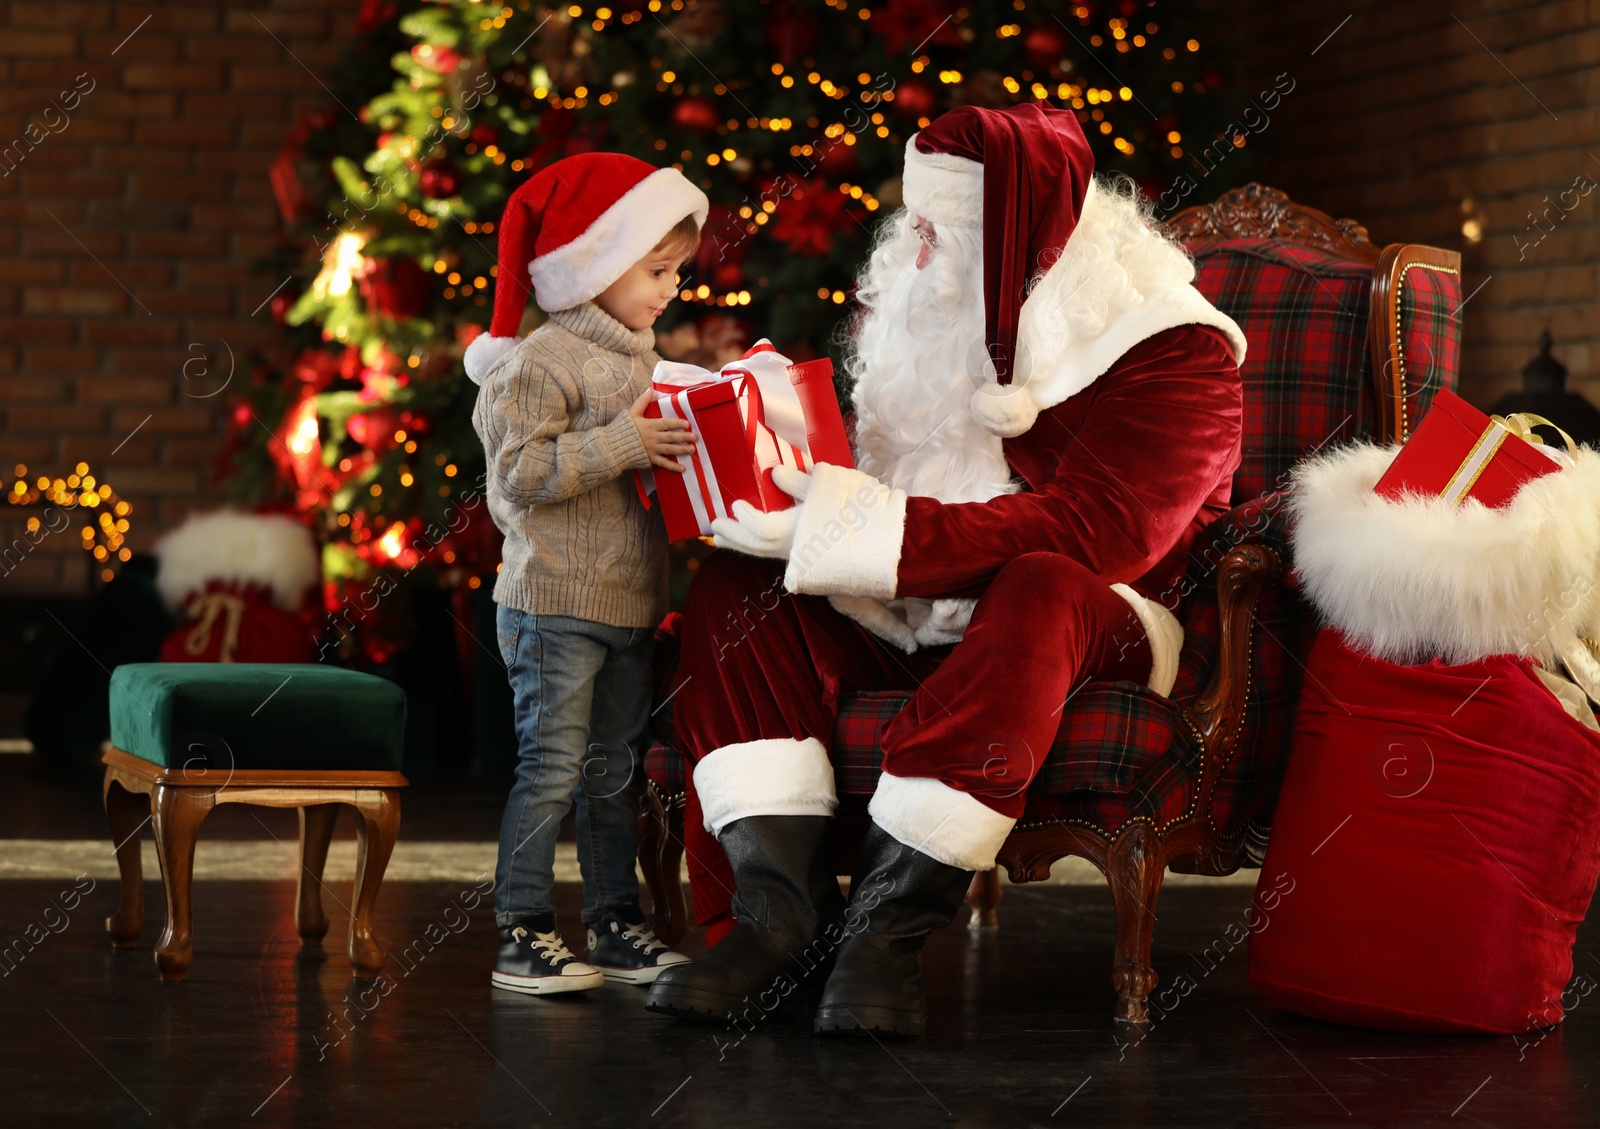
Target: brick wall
[[1414, 123], [127, 236]]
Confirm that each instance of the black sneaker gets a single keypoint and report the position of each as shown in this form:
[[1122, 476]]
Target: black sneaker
[[539, 963], [629, 953]]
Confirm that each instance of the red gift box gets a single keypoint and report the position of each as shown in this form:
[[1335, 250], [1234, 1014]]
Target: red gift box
[[1458, 453], [759, 412]]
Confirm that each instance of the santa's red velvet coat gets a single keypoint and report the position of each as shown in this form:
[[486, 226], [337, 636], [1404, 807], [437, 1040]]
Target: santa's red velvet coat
[[1119, 480]]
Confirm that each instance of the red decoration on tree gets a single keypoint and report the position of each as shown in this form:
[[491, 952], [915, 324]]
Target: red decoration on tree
[[697, 114], [807, 220], [916, 98], [727, 276], [396, 288], [439, 179], [912, 23], [1045, 45], [485, 134], [439, 60], [791, 31]]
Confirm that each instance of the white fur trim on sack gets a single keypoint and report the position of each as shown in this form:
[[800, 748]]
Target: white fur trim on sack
[[772, 776], [848, 537], [1417, 578], [928, 815], [625, 233], [484, 353], [273, 551], [1165, 634], [941, 187]]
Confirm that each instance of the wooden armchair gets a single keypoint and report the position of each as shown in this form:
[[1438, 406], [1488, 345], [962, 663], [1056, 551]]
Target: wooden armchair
[[1346, 341]]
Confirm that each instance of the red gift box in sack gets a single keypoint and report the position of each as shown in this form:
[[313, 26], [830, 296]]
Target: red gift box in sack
[[1459, 453], [759, 412]]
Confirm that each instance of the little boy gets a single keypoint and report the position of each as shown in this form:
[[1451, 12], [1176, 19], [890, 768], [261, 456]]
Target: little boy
[[583, 583]]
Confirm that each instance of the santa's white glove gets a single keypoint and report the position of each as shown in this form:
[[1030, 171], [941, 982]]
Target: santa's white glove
[[754, 533], [758, 534]]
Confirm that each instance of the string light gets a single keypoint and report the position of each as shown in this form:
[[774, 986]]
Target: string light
[[104, 535]]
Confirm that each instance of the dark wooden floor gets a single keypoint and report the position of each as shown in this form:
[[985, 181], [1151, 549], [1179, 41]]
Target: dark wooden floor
[[264, 1034]]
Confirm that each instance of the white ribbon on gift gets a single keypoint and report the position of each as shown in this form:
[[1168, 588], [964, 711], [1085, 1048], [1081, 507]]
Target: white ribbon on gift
[[782, 416]]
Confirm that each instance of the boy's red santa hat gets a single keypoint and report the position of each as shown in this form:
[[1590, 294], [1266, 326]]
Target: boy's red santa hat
[[573, 229], [1033, 164]]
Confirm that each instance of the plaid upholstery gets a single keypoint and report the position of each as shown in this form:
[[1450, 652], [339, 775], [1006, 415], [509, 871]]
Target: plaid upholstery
[[1307, 372], [664, 766], [1122, 752]]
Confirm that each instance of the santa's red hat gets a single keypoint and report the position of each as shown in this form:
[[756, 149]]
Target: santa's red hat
[[1033, 162], [573, 229]]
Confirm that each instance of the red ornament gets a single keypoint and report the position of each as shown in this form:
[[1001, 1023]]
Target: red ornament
[[282, 303], [439, 179], [396, 288], [439, 60], [791, 31], [727, 276], [696, 113], [916, 98], [1045, 46], [485, 134]]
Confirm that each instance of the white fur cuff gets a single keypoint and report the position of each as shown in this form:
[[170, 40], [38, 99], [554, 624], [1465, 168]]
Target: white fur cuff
[[928, 815], [774, 776], [847, 541], [1165, 633]]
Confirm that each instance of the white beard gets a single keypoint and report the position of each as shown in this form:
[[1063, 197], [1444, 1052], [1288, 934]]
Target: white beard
[[916, 357]]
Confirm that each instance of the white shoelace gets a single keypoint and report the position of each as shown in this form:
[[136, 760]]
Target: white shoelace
[[643, 937], [549, 945]]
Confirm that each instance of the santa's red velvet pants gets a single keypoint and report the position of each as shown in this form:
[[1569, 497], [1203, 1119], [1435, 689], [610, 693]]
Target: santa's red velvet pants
[[763, 671]]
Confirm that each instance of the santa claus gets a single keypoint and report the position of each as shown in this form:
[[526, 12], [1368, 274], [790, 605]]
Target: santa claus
[[1047, 414]]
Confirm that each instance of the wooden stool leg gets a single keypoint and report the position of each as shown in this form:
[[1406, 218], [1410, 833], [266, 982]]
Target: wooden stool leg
[[376, 830], [316, 832], [984, 896], [178, 813], [127, 813]]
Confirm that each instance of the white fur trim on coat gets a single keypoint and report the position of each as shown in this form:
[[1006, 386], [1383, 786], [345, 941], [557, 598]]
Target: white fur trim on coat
[[773, 776], [625, 233], [942, 187], [928, 815], [484, 353], [848, 536], [1165, 634], [1413, 579], [273, 551]]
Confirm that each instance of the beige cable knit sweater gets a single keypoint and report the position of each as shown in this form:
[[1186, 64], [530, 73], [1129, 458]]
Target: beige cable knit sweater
[[553, 419]]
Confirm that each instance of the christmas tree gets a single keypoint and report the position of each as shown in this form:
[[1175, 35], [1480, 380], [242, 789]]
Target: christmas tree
[[792, 115]]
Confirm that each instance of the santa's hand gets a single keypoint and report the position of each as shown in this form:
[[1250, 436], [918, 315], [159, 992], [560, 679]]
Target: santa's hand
[[756, 534], [795, 483]]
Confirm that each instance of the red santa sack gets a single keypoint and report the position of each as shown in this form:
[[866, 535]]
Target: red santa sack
[[1441, 828]]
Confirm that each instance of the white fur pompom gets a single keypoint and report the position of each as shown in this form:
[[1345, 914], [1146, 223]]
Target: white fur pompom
[[273, 551], [1004, 409], [484, 353]]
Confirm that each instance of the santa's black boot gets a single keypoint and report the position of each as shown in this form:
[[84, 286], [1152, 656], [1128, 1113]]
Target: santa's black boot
[[785, 892], [899, 896]]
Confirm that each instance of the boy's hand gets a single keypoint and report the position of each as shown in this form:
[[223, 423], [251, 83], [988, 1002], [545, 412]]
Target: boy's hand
[[662, 438]]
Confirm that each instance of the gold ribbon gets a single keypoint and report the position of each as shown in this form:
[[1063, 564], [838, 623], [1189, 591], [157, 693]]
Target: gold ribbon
[[206, 608], [1519, 424]]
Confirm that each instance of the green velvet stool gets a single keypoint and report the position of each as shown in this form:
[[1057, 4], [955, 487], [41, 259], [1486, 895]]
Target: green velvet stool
[[189, 736]]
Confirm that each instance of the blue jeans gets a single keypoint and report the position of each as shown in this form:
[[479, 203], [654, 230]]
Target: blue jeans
[[583, 700]]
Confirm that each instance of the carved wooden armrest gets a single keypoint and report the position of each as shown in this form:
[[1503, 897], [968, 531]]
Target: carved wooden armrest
[[1219, 710]]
